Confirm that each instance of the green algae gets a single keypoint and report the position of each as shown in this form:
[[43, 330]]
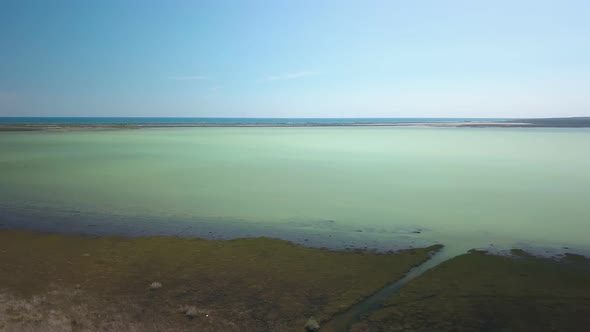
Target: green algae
[[271, 284], [484, 292]]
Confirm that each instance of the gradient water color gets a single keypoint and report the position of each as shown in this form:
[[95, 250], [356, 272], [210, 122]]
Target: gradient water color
[[481, 186]]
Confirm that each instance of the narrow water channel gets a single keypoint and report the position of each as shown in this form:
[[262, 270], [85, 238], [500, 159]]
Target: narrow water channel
[[343, 321]]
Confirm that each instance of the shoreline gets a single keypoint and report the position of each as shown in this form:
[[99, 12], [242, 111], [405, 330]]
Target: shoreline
[[109, 127], [519, 123], [260, 284], [319, 233], [232, 285]]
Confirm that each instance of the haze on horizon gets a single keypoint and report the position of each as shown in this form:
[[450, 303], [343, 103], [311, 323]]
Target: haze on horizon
[[295, 58]]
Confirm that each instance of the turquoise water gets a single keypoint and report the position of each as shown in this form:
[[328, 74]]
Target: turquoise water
[[473, 186]]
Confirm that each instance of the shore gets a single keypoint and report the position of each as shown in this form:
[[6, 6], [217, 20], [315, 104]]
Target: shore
[[67, 282], [479, 291], [51, 282], [582, 122]]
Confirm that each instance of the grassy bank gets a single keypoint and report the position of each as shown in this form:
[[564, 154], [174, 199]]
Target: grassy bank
[[484, 292], [65, 282]]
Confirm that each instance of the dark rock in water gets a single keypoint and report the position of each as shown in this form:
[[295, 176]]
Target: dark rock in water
[[328, 224], [520, 253], [477, 251], [408, 230], [359, 230], [312, 325]]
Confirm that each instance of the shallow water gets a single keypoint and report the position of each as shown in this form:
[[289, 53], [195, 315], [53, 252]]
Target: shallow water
[[468, 186]]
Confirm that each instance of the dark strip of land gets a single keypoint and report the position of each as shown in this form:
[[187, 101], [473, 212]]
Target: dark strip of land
[[557, 122], [576, 122]]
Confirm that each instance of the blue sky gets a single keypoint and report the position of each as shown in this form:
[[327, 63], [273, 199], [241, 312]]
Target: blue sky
[[295, 58]]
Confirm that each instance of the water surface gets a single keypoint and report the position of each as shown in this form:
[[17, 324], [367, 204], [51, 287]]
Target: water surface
[[472, 186]]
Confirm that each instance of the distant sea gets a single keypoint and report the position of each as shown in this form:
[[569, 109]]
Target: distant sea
[[171, 120]]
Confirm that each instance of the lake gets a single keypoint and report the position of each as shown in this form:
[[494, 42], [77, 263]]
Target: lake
[[374, 187]]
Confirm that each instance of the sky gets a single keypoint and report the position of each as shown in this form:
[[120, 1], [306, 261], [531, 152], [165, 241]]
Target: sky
[[275, 58]]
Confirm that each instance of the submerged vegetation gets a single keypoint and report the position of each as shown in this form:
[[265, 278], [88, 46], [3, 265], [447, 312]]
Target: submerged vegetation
[[169, 283], [484, 292]]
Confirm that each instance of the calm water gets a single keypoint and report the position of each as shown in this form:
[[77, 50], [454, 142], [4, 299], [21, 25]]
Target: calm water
[[468, 186]]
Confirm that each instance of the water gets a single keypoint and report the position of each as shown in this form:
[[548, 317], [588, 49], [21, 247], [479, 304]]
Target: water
[[177, 120], [344, 320], [462, 186]]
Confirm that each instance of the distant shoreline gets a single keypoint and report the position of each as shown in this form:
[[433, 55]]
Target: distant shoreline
[[578, 122]]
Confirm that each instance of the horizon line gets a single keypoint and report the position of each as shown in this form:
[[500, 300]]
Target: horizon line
[[263, 117]]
